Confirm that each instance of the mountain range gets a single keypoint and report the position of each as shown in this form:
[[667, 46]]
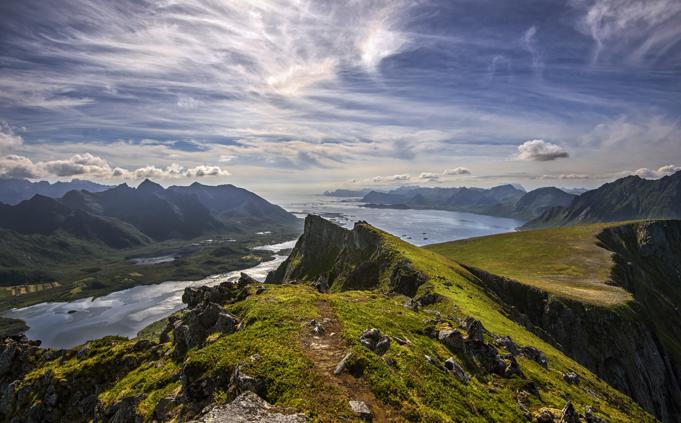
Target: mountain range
[[629, 198], [123, 216], [503, 200], [14, 191]]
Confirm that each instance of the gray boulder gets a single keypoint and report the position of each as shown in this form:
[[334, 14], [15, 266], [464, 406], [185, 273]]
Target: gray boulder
[[249, 408], [361, 410]]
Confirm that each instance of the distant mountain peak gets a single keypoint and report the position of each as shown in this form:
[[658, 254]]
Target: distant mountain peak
[[149, 186]]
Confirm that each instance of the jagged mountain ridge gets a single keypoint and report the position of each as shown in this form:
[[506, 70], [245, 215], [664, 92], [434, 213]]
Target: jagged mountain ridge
[[148, 212], [629, 198]]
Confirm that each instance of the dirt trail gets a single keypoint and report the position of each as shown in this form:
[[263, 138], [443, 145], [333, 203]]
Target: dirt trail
[[327, 349]]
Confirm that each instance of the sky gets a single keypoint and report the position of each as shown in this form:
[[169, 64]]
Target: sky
[[285, 96]]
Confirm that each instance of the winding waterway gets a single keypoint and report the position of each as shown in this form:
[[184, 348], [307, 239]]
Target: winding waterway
[[124, 313]]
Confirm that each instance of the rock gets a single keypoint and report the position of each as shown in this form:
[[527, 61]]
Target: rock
[[433, 361], [508, 344], [245, 279], [361, 410], [411, 304], [534, 354], [512, 367], [456, 370], [569, 414], [124, 411], [249, 408], [163, 408], [401, 341], [474, 328], [375, 341], [591, 417], [453, 340], [406, 280], [259, 289], [428, 299], [343, 365], [545, 416], [241, 382], [317, 327], [571, 378], [321, 284], [195, 326]]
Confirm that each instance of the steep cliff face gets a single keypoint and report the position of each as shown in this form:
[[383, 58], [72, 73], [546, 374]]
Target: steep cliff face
[[634, 347], [340, 259]]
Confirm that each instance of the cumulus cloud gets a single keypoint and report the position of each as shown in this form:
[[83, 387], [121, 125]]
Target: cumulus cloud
[[457, 171], [91, 166], [429, 176], [657, 173], [540, 151], [399, 177]]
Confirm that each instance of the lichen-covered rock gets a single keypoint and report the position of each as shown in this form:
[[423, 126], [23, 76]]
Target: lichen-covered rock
[[249, 408], [507, 343], [545, 416]]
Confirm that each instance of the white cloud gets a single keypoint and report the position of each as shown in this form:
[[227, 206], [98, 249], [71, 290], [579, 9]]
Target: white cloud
[[429, 176], [568, 176], [634, 29], [659, 173], [457, 171], [399, 177], [540, 151], [91, 166], [8, 138]]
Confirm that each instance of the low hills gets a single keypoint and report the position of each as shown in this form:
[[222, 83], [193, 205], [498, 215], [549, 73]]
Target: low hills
[[503, 200], [357, 323], [629, 198]]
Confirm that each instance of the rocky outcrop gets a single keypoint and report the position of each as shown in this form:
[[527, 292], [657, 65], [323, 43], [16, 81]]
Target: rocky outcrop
[[331, 257], [634, 347], [248, 408]]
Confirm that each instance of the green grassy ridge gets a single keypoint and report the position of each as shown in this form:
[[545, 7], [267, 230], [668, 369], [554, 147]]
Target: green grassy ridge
[[567, 262], [277, 320]]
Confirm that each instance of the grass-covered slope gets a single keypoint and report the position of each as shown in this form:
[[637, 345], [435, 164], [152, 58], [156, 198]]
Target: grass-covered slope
[[563, 261], [605, 294], [278, 350]]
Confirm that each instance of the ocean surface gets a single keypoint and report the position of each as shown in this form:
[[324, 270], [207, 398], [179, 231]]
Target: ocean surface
[[126, 312]]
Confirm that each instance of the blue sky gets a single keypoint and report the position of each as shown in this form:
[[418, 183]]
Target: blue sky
[[310, 95]]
